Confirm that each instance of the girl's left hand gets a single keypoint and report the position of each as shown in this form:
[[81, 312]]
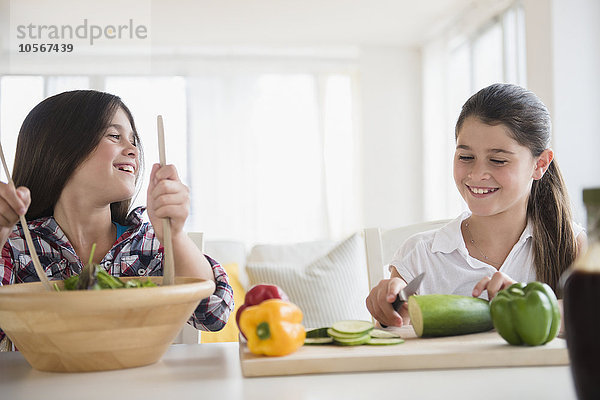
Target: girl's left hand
[[493, 285], [168, 197]]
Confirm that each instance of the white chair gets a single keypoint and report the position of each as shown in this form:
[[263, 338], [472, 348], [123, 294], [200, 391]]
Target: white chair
[[188, 334], [381, 244]]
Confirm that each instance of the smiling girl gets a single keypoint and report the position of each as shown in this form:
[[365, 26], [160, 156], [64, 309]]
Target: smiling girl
[[76, 168], [519, 224]]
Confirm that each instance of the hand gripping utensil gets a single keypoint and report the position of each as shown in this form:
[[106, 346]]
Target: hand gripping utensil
[[41, 272], [408, 291], [405, 293]]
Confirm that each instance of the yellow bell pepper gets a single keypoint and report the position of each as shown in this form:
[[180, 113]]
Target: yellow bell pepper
[[273, 327]]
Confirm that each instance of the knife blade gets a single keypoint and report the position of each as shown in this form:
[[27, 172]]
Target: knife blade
[[408, 291]]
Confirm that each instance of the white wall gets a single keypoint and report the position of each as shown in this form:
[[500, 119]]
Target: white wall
[[392, 140], [538, 43], [563, 57], [4, 34], [576, 81]]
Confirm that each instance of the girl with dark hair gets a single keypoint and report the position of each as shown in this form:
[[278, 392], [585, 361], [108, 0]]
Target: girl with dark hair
[[77, 165], [519, 225]]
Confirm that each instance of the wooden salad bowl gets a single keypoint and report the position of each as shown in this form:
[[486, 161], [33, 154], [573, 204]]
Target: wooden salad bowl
[[95, 330]]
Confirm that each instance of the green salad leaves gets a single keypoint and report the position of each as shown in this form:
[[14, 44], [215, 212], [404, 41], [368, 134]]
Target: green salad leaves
[[94, 277]]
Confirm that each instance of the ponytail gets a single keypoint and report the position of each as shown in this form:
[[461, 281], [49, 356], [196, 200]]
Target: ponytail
[[554, 245]]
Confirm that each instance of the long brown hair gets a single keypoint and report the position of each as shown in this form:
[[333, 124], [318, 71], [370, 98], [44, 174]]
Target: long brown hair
[[56, 137], [548, 207]]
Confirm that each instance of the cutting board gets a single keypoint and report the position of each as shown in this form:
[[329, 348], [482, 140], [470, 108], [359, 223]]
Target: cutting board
[[486, 349]]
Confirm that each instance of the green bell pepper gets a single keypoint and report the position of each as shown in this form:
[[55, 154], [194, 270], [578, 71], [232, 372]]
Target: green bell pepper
[[526, 314]]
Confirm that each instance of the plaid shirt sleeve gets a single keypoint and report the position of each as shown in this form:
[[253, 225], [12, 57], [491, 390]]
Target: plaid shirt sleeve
[[6, 265], [213, 312], [6, 272]]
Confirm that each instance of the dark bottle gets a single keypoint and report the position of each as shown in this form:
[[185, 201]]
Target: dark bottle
[[582, 307]]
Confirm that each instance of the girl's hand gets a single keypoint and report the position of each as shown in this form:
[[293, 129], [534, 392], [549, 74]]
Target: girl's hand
[[379, 302], [13, 202], [493, 285], [168, 197]]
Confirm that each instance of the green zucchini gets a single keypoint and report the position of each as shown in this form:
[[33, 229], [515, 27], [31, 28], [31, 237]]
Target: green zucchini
[[381, 334], [352, 327], [318, 340], [353, 341], [339, 335], [351, 333], [384, 341], [447, 315], [317, 333]]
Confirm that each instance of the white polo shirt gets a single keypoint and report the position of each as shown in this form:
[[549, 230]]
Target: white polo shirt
[[443, 255]]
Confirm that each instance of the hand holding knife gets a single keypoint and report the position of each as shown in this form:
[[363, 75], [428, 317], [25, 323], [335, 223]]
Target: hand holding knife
[[406, 292]]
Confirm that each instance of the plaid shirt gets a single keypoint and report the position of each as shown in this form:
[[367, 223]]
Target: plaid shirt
[[137, 252]]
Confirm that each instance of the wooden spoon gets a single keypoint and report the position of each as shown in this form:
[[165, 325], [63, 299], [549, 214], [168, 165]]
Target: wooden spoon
[[36, 262], [168, 265]]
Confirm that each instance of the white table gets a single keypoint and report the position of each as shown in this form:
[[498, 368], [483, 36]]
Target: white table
[[212, 371]]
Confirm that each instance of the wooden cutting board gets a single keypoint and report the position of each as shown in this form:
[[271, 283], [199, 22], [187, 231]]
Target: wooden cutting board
[[486, 349]]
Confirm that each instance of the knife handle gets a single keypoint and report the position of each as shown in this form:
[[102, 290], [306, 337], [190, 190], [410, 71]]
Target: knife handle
[[397, 304]]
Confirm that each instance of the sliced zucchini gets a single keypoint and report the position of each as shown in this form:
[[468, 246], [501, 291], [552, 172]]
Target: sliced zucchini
[[318, 340], [381, 334], [335, 334], [352, 327], [353, 341], [351, 333], [317, 333], [385, 341]]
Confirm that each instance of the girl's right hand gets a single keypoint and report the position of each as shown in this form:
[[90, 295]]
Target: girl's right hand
[[493, 284], [13, 202], [379, 302]]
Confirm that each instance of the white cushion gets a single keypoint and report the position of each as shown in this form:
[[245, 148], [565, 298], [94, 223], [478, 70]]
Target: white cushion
[[331, 288], [296, 253]]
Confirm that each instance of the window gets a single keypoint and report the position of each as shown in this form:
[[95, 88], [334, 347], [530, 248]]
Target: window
[[487, 57], [456, 64], [18, 95], [274, 156], [59, 84], [268, 157], [146, 98]]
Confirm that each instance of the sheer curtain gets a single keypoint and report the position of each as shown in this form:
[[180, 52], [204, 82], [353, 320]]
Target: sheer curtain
[[18, 95], [457, 63], [148, 97], [268, 157], [273, 156]]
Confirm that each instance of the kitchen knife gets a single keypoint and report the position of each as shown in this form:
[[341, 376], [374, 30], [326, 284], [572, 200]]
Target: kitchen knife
[[405, 293], [408, 291]]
